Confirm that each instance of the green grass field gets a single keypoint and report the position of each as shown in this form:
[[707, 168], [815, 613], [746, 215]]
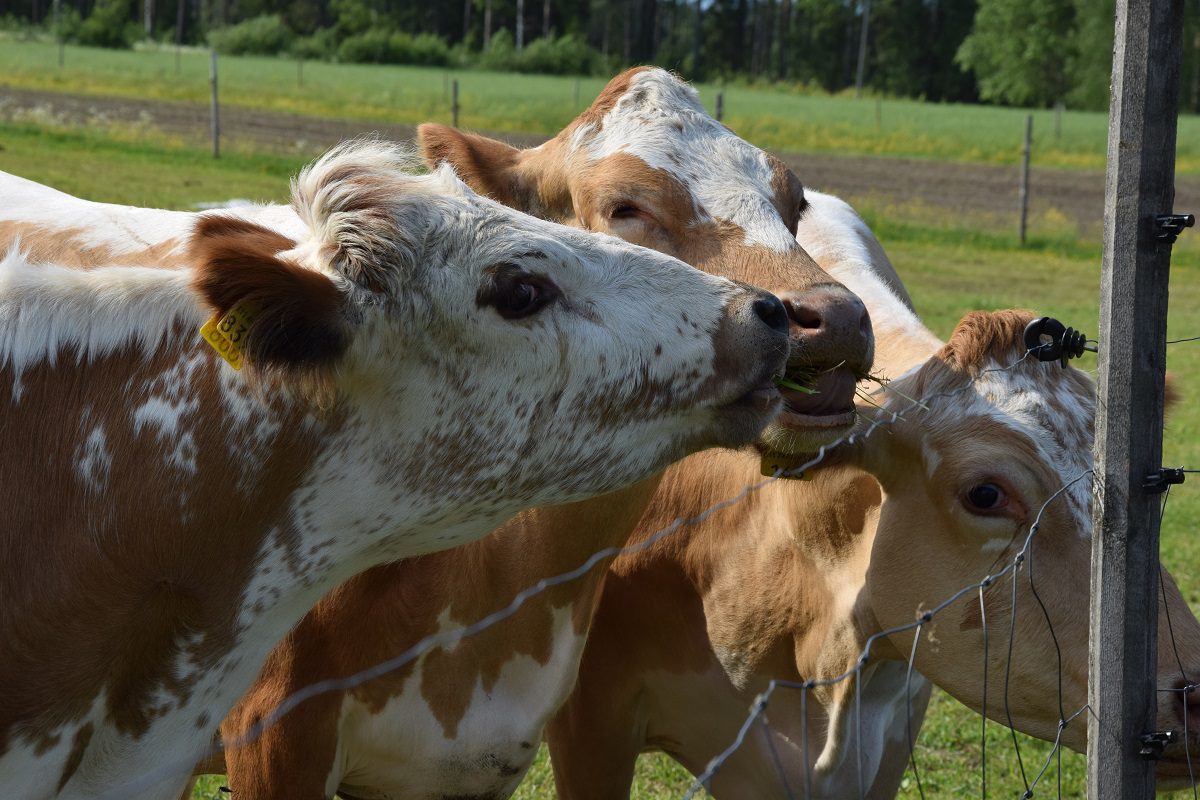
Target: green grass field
[[772, 117], [948, 270]]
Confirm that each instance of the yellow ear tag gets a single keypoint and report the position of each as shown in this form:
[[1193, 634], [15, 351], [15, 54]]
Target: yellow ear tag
[[778, 462], [225, 334]]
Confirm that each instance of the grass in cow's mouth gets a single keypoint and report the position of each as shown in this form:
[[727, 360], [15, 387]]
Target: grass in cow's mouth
[[785, 383]]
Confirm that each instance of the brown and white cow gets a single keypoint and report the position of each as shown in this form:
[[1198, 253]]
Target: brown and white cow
[[645, 162], [419, 363], [789, 583]]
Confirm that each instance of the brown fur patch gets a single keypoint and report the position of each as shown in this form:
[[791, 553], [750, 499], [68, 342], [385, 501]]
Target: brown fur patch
[[983, 336], [65, 246], [78, 747], [301, 329], [788, 193], [484, 164], [612, 92], [388, 609], [125, 578]]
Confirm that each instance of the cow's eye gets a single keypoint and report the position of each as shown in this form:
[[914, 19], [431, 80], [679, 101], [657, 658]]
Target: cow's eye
[[625, 211], [985, 498], [515, 293]]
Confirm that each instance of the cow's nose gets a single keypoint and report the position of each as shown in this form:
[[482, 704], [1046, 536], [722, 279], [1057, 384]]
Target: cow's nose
[[830, 325], [770, 309]]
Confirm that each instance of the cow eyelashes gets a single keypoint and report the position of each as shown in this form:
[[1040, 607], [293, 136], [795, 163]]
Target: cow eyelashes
[[515, 293], [624, 211], [985, 498]]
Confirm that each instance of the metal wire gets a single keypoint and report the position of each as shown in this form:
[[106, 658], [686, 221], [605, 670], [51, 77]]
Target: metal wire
[[766, 728], [908, 731], [1183, 693], [983, 712]]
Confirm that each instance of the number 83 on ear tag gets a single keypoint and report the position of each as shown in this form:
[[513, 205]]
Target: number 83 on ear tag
[[227, 333]]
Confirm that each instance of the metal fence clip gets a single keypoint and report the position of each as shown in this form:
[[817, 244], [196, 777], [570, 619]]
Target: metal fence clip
[[1065, 343], [1158, 482], [1171, 225], [1154, 743]]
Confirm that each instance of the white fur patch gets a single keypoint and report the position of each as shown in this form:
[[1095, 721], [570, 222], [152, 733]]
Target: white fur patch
[[93, 460], [661, 121], [47, 310], [402, 750]]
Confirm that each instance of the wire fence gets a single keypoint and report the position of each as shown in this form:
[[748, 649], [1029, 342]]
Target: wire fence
[[1021, 564]]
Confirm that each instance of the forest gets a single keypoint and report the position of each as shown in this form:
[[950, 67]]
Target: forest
[[1037, 53]]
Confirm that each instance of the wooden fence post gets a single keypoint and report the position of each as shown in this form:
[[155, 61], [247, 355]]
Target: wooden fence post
[[454, 103], [1133, 323], [216, 108], [58, 32], [178, 32], [1023, 191], [720, 106]]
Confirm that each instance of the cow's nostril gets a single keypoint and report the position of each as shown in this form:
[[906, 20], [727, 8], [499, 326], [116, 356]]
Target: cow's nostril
[[771, 311], [803, 315]]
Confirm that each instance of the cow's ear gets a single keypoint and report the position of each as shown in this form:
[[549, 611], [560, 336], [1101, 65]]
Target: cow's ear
[[486, 165], [296, 315]]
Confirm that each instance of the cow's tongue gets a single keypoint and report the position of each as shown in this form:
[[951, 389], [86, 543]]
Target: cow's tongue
[[834, 395]]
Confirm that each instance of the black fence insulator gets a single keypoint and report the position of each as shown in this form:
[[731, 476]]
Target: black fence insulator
[[1065, 343], [1153, 744], [1171, 225], [1159, 481]]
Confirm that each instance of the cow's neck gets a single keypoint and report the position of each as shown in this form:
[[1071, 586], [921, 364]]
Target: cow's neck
[[775, 570]]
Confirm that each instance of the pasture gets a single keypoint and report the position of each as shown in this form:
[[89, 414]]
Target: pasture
[[773, 117], [949, 267]]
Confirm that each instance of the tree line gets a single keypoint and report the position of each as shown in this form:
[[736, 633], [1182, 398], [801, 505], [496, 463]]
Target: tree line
[[1018, 52]]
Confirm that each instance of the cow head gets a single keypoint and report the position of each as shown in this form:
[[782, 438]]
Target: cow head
[[490, 353], [647, 163], [964, 478]]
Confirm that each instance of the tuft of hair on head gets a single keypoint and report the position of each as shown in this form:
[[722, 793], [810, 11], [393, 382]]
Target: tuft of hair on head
[[361, 201], [984, 337], [301, 330], [981, 340]]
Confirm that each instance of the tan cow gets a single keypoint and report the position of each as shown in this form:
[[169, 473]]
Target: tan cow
[[416, 365], [791, 582]]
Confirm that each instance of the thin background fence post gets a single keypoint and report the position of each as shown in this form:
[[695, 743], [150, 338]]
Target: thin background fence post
[[1023, 191], [1133, 324], [720, 106], [454, 103], [575, 96], [58, 33], [178, 33], [216, 108]]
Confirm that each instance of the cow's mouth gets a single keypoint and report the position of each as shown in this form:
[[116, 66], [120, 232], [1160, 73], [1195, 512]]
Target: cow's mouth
[[824, 400], [764, 398]]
